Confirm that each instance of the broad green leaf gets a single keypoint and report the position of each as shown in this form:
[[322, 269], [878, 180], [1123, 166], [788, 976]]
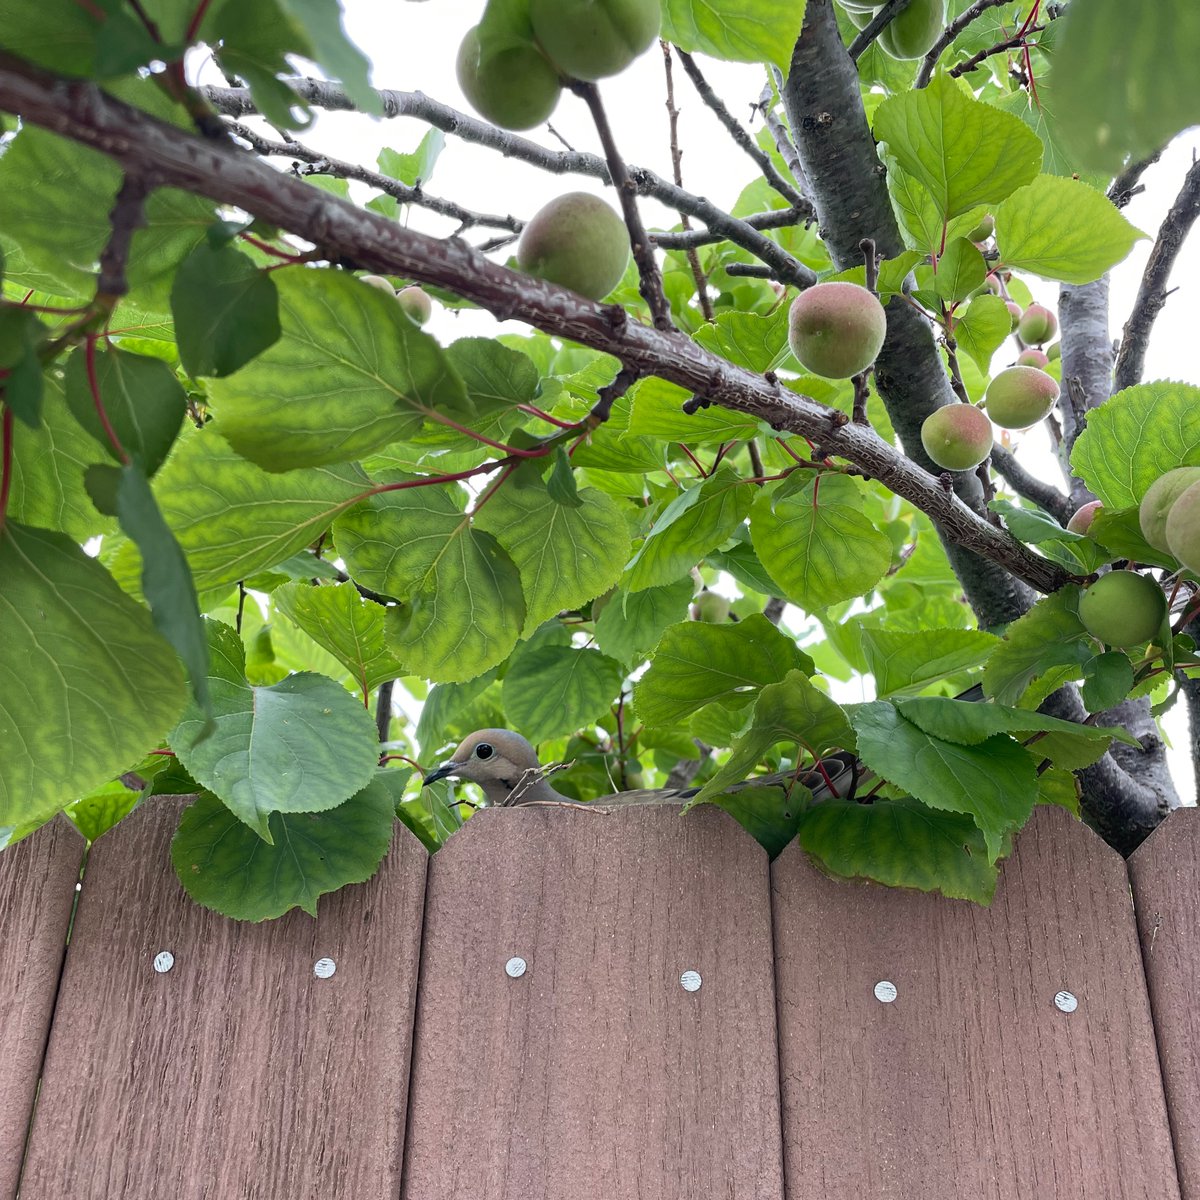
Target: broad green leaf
[[495, 376], [449, 712], [101, 809], [349, 374], [86, 683], [959, 271], [995, 782], [971, 724], [1049, 635], [908, 661], [902, 843], [341, 621], [166, 580], [770, 815], [463, 608], [1107, 680], [234, 519], [566, 555], [696, 663], [963, 151], [816, 542], [1060, 787], [226, 310], [321, 21], [21, 335], [630, 623], [758, 343], [1120, 77], [416, 167], [431, 816], [1117, 533], [143, 400], [658, 412], [1062, 229], [792, 710], [302, 746], [224, 866], [983, 329], [1136, 436], [1042, 116], [740, 560], [736, 30], [550, 691], [695, 522]]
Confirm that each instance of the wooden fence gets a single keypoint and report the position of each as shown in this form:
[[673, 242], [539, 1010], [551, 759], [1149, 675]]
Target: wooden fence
[[512, 1019]]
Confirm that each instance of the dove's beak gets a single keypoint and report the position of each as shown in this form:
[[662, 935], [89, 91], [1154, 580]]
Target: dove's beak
[[450, 767]]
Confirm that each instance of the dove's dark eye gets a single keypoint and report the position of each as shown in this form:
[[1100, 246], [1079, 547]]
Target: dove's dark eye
[[484, 750]]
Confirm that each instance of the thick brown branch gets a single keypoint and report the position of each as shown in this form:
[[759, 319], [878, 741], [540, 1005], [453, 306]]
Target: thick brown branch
[[141, 144]]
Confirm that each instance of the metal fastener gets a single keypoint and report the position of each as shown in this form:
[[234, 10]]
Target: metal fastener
[[514, 968], [164, 960], [885, 991], [690, 981], [1065, 1001], [324, 968]]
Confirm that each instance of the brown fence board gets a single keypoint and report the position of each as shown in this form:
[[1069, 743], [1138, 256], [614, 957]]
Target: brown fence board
[[238, 1073], [595, 1074], [37, 892], [1165, 871], [972, 1082]]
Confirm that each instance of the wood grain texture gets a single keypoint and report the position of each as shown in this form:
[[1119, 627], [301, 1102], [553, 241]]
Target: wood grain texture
[[1165, 870], [238, 1073], [972, 1083], [37, 892], [596, 1074]]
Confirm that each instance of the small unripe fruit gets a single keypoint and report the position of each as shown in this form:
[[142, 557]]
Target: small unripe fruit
[[578, 241], [416, 303], [514, 87], [711, 607], [957, 437], [993, 285], [378, 281], [1014, 311], [1020, 396], [912, 33], [1123, 609], [592, 39], [1081, 519], [1033, 358], [1037, 325], [1183, 528], [984, 230], [836, 329], [1158, 502], [1054, 353]]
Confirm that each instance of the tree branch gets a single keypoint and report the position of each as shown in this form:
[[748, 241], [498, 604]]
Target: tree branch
[[1043, 494], [779, 135], [141, 144], [1086, 367], [875, 26], [950, 34], [693, 239], [1128, 183], [1153, 293]]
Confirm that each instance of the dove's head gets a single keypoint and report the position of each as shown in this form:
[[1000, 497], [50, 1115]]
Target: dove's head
[[496, 759]]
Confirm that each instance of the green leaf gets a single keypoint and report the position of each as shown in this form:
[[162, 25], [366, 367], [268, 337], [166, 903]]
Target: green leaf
[[964, 152], [341, 621], [695, 522], [657, 412], [417, 167], [1107, 680], [143, 400], [970, 724], [1136, 436], [696, 663], [1060, 787], [21, 333], [431, 816], [463, 607], [910, 660], [902, 843], [735, 30], [994, 782], [983, 329], [86, 683], [770, 815], [321, 21], [1062, 229], [816, 542], [566, 555], [224, 866], [561, 483], [1119, 77], [301, 746], [349, 374], [630, 623], [550, 691], [101, 809], [1117, 533], [166, 580], [758, 343], [1049, 635], [960, 271], [226, 310], [448, 713]]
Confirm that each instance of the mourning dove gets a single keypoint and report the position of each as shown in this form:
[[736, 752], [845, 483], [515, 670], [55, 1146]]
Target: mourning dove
[[506, 766]]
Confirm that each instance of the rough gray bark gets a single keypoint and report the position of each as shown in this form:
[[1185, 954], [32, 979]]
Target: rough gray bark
[[1087, 361], [847, 181]]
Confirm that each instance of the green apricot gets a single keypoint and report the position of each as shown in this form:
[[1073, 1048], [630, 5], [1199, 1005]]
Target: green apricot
[[1123, 608], [512, 86], [711, 607], [957, 437], [592, 39], [913, 32], [1183, 528], [1159, 500], [1081, 519], [984, 230], [377, 281], [1033, 358], [415, 301], [1054, 353], [1014, 311], [578, 241], [1020, 396], [1037, 325], [836, 329]]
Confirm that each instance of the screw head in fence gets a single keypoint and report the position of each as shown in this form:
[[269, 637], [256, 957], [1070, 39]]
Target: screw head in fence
[[324, 968], [515, 967], [885, 991], [690, 981], [164, 960], [1065, 1001]]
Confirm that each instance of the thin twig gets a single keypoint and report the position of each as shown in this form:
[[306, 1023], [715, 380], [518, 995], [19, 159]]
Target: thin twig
[[1029, 487], [774, 218], [126, 218], [949, 34], [977, 59], [1128, 184], [877, 24], [779, 134]]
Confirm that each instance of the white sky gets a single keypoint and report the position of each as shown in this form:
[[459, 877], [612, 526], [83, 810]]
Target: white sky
[[413, 48]]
